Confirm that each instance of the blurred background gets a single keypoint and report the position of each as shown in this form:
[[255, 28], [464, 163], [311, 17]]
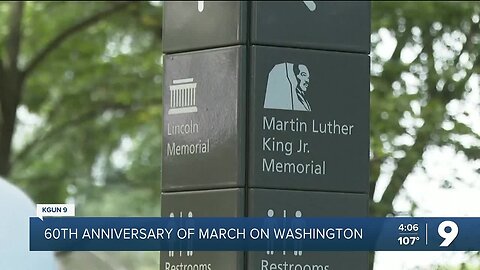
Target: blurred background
[[81, 115]]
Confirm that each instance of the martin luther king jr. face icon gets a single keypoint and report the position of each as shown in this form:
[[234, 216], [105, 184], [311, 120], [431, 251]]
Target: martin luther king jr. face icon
[[287, 85], [303, 77]]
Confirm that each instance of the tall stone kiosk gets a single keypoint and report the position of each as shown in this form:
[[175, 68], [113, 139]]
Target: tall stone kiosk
[[266, 113]]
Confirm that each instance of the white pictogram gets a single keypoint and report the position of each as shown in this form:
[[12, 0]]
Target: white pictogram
[[201, 5], [297, 245], [287, 85], [180, 253], [297, 252], [189, 243], [270, 213], [183, 96], [170, 252], [310, 5]]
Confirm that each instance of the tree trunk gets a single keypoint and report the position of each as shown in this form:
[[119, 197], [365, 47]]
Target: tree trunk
[[10, 89], [371, 259], [11, 81]]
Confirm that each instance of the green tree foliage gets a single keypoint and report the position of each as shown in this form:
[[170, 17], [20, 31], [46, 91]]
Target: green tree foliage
[[91, 73], [433, 65], [88, 77]]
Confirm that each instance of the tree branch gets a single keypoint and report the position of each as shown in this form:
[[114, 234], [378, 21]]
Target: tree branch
[[401, 42], [468, 45], [79, 120], [375, 169], [60, 38], [2, 90], [10, 86], [435, 112], [13, 42]]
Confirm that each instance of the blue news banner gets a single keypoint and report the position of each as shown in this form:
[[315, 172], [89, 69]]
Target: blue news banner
[[253, 234]]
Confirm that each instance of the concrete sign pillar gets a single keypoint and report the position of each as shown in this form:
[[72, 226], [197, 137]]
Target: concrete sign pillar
[[266, 113]]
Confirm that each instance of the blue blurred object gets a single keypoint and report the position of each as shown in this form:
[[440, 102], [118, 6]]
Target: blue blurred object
[[15, 209]]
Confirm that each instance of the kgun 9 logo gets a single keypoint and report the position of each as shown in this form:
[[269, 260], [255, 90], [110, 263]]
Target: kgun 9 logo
[[448, 230]]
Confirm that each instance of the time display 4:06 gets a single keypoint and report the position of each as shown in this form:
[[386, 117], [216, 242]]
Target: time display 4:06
[[408, 227]]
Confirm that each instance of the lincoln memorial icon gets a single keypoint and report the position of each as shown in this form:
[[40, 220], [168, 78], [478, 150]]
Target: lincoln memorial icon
[[182, 96]]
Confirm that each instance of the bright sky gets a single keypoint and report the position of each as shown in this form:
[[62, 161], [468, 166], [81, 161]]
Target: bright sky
[[433, 200]]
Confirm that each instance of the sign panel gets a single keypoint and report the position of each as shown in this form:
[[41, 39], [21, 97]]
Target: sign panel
[[262, 203], [193, 25], [330, 25], [285, 203], [215, 203], [204, 119], [309, 120]]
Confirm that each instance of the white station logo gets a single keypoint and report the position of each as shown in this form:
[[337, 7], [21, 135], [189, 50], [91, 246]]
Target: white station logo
[[55, 210]]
